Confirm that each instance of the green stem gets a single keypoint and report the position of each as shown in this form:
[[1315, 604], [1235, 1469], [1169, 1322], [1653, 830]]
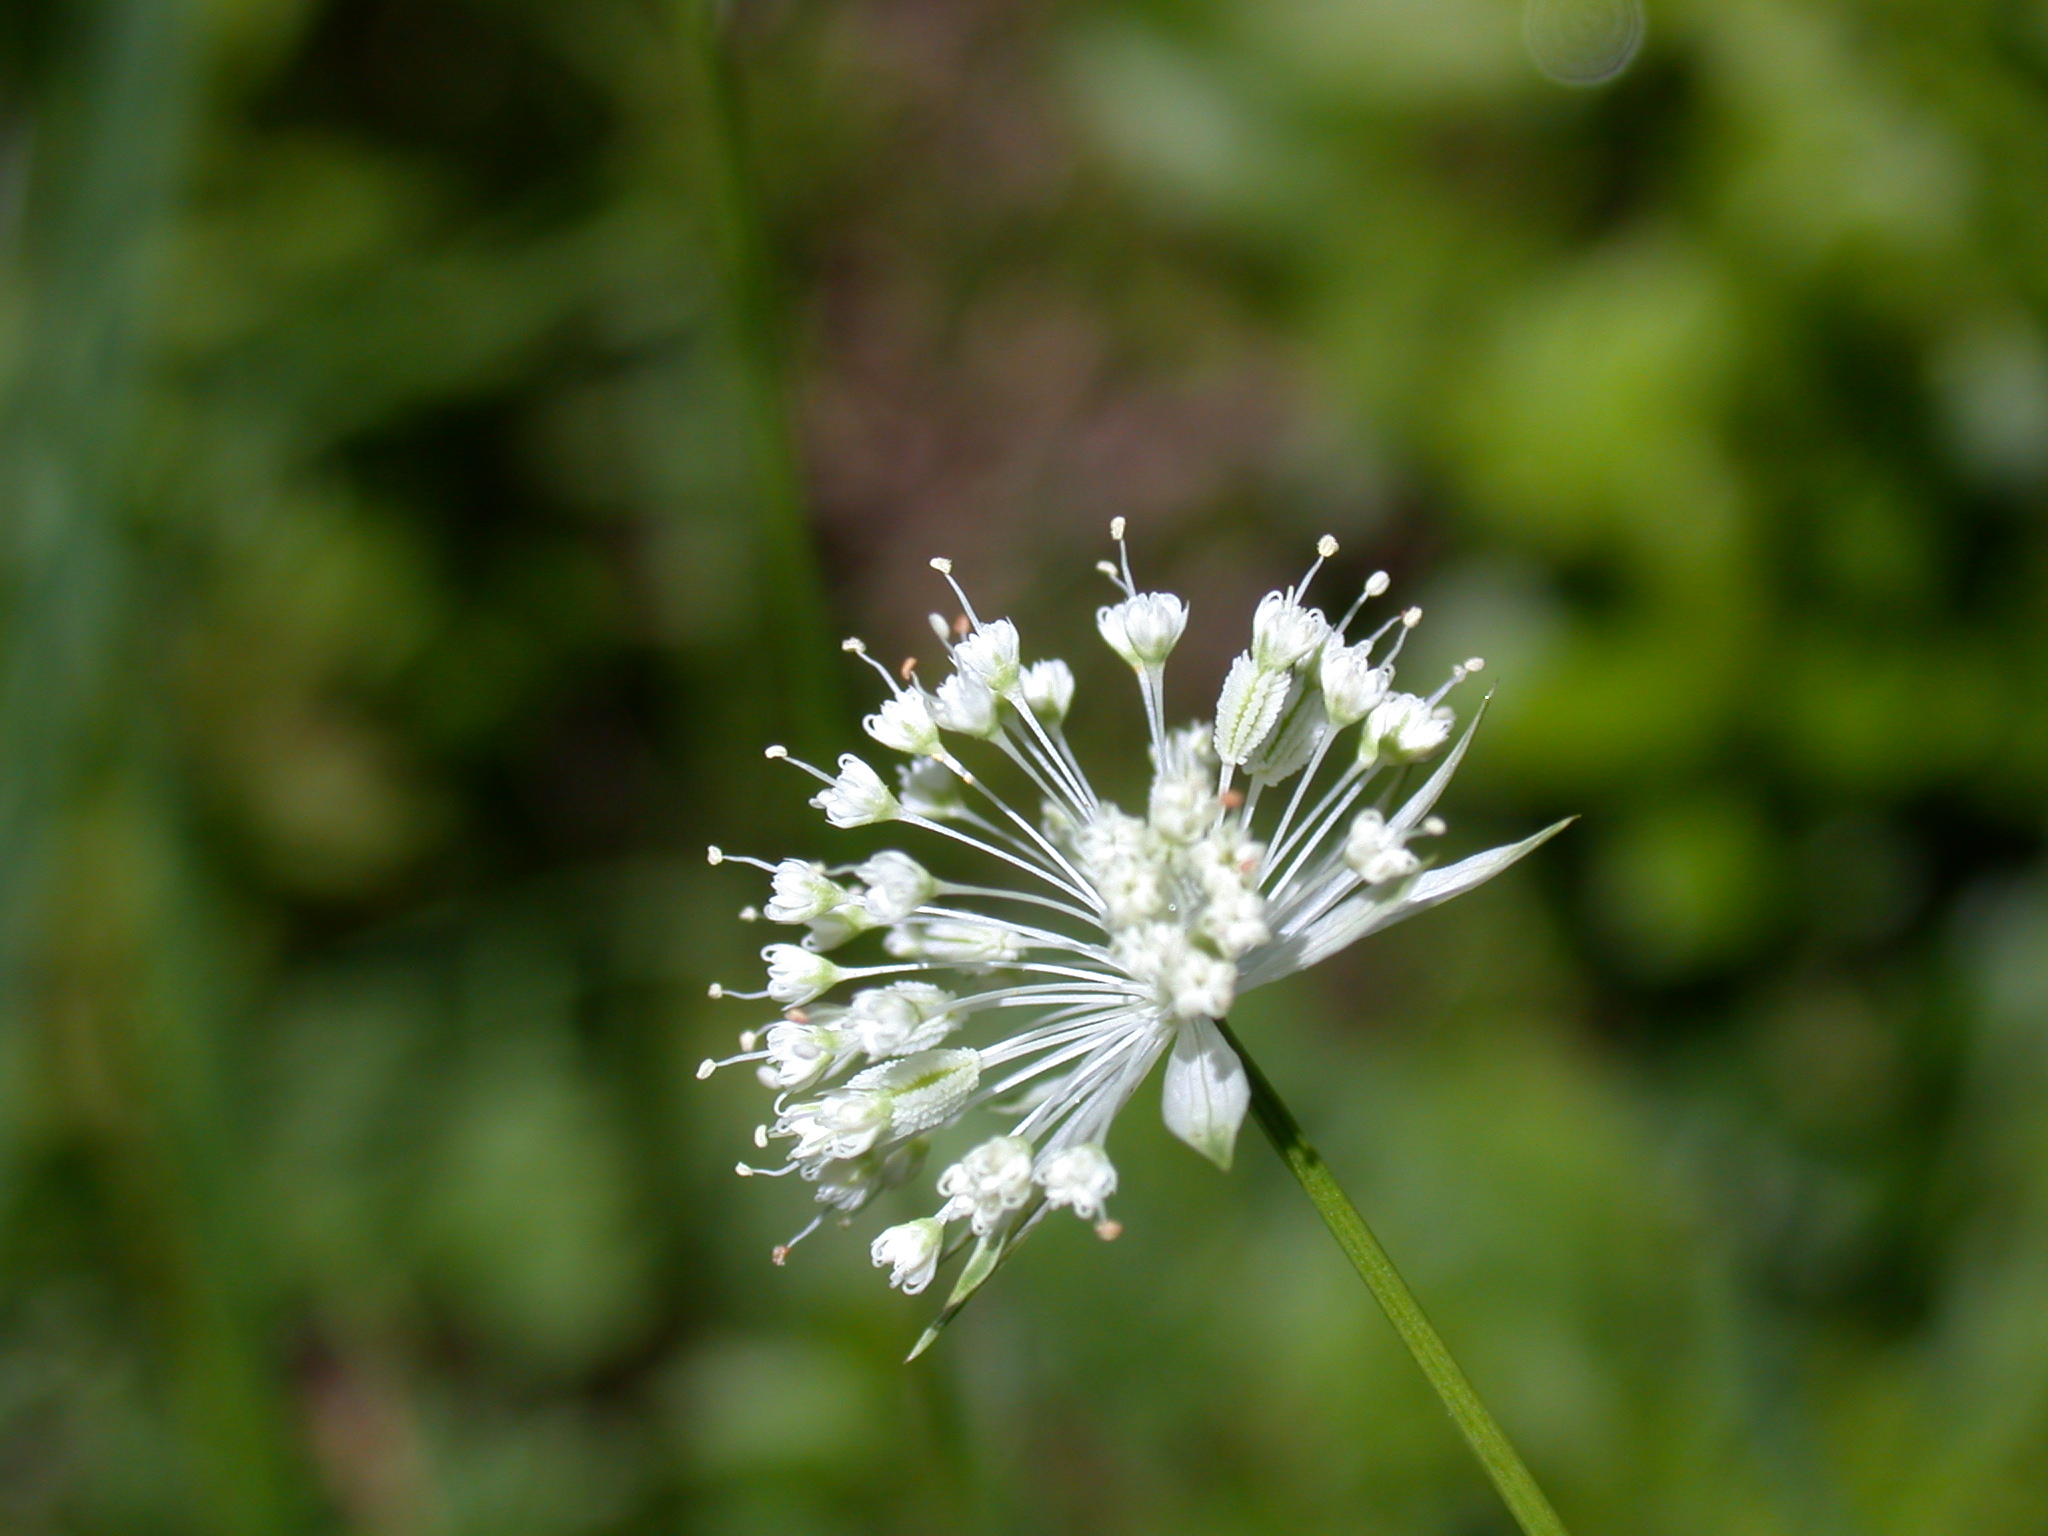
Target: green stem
[[1517, 1488]]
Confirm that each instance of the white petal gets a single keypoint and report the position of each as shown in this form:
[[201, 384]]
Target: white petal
[[1362, 915], [1206, 1092]]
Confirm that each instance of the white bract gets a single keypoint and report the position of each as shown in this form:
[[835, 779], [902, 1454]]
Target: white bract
[[1113, 940]]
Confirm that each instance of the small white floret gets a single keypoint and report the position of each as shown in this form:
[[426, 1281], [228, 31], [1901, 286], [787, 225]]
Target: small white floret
[[905, 723], [910, 1253], [800, 1055], [1352, 685], [803, 892], [966, 705], [896, 886], [857, 798], [1285, 633], [1143, 629], [1402, 729], [1049, 691], [987, 1184], [796, 975], [1079, 1178], [839, 1126], [900, 1019], [1376, 852], [990, 654]]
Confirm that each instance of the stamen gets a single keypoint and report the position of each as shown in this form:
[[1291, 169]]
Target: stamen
[[780, 1253], [781, 755], [1375, 584], [945, 568], [1459, 673], [1116, 532], [855, 646], [1326, 548]]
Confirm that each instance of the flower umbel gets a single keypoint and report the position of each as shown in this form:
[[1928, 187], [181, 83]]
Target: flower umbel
[[1122, 938]]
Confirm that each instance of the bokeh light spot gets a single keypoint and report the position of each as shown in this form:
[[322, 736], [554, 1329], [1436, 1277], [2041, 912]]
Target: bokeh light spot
[[1582, 42]]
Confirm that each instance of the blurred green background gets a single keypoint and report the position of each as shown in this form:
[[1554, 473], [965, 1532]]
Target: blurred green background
[[442, 441]]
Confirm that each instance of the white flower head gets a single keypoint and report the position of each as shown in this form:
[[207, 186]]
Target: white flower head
[[1109, 942]]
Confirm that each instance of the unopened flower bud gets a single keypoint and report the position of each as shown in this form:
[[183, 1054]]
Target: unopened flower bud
[[924, 1090], [1250, 703]]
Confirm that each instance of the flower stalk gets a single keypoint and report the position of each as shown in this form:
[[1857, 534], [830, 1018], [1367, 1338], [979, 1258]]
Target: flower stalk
[[1489, 1443]]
